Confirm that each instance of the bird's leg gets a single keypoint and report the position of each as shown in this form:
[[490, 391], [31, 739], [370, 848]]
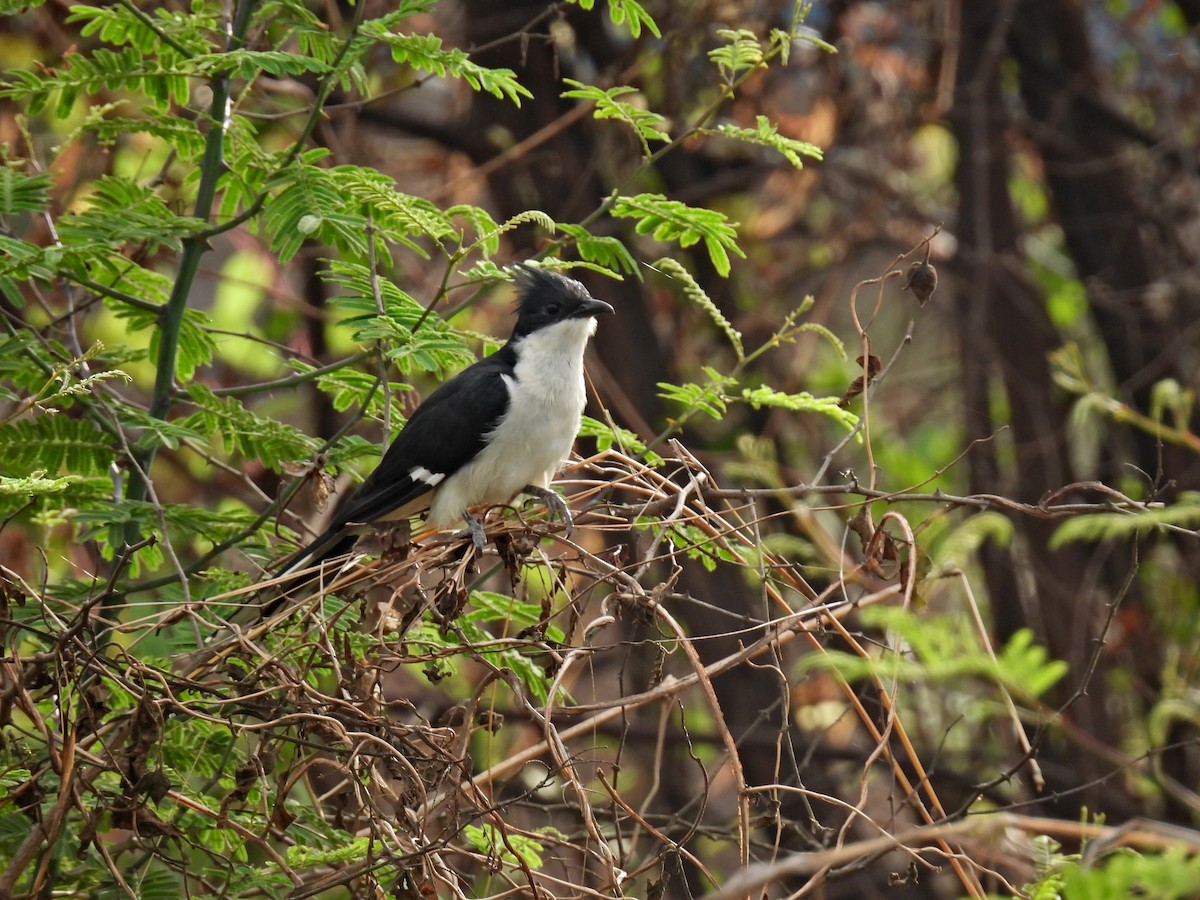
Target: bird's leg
[[474, 531], [554, 504]]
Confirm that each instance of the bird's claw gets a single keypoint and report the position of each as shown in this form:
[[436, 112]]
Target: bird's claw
[[555, 505], [474, 531]]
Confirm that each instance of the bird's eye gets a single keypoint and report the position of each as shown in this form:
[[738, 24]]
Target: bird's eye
[[552, 309]]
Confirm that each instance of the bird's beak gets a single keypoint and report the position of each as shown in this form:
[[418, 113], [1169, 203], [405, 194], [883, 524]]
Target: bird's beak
[[594, 307]]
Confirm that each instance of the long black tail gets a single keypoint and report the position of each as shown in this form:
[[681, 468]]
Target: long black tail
[[306, 563]]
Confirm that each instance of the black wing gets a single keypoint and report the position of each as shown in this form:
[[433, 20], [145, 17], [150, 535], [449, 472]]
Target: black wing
[[443, 435]]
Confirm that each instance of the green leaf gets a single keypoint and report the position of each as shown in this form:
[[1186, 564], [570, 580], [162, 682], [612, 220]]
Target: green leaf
[[802, 402], [671, 220], [695, 293], [54, 444], [23, 193], [708, 398], [302, 856], [646, 124], [966, 537], [425, 52], [121, 212], [487, 839], [180, 134], [766, 134], [605, 251], [608, 436], [741, 51], [626, 12], [160, 80], [434, 347], [245, 432], [1121, 525], [38, 485], [250, 64]]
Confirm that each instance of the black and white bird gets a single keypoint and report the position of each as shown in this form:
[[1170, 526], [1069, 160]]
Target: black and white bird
[[501, 427]]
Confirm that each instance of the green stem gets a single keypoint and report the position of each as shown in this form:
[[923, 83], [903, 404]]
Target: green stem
[[194, 248]]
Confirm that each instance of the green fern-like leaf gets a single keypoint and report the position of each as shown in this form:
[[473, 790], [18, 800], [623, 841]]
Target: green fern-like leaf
[[605, 251], [491, 238], [432, 348], [23, 193], [349, 387], [181, 135], [802, 402], [39, 485], [398, 215], [607, 436], [485, 228], [626, 12], [425, 52], [121, 213], [1121, 525], [196, 347], [766, 134], [308, 205], [646, 124], [250, 64], [695, 293], [963, 541], [740, 52], [245, 432], [54, 444], [339, 206], [670, 220], [161, 80], [709, 399], [945, 650], [210, 525], [12, 7], [118, 24]]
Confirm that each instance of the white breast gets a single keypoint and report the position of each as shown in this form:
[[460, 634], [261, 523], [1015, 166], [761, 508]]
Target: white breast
[[546, 400]]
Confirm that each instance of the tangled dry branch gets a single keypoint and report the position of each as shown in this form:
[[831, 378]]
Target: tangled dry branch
[[561, 745]]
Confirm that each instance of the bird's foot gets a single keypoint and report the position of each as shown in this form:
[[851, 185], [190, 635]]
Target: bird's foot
[[555, 504], [474, 531]]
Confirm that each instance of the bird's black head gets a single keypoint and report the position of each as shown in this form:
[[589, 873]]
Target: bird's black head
[[547, 297]]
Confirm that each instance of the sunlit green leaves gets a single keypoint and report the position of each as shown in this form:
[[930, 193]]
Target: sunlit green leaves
[[21, 192], [379, 310], [1120, 525], [161, 80], [627, 12], [671, 220], [342, 206], [696, 294], [425, 52], [646, 124], [940, 649], [118, 24], [766, 134], [121, 212], [802, 402], [246, 432], [602, 250], [608, 436], [55, 444], [709, 399], [525, 851], [740, 52]]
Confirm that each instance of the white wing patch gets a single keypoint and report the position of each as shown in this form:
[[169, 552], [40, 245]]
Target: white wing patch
[[423, 475]]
